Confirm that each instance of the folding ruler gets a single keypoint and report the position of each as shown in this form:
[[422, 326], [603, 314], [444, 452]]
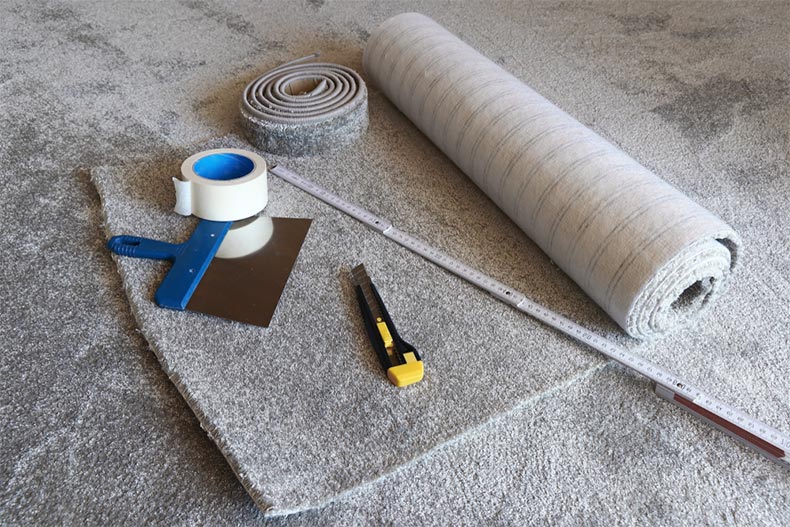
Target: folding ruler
[[767, 440]]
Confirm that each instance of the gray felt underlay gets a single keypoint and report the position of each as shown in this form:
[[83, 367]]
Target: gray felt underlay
[[95, 433]]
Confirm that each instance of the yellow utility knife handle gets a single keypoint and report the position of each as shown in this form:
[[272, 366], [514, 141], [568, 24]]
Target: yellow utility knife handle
[[403, 374], [408, 373], [400, 360]]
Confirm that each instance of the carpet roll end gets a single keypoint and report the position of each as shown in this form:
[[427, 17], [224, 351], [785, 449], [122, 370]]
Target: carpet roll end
[[683, 290]]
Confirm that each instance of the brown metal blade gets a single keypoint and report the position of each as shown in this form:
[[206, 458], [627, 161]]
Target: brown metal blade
[[248, 274]]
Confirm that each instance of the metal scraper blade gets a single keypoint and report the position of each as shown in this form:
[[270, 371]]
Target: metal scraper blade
[[247, 276]]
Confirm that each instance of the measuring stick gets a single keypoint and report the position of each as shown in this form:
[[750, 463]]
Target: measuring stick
[[767, 440]]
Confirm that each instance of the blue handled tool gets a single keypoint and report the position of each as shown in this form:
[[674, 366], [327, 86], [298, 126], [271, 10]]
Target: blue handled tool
[[190, 259], [234, 270]]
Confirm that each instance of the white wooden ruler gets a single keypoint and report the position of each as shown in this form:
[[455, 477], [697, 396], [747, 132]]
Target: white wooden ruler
[[767, 440]]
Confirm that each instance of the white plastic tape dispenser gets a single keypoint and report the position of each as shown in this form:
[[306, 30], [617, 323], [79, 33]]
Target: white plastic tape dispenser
[[235, 264]]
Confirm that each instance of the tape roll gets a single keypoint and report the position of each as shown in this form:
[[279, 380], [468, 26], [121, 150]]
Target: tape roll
[[300, 109], [225, 184]]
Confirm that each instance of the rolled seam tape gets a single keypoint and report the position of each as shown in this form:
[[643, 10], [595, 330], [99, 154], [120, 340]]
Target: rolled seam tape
[[222, 198]]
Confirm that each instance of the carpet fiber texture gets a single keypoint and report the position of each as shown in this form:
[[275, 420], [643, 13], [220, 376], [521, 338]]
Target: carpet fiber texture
[[302, 410], [94, 431]]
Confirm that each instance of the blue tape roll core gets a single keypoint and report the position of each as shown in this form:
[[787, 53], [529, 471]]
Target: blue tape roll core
[[223, 167]]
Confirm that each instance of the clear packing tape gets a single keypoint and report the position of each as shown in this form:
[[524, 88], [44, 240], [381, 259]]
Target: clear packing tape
[[647, 254]]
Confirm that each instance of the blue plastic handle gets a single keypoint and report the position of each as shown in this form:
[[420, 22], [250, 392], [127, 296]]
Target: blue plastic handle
[[190, 259], [138, 247]]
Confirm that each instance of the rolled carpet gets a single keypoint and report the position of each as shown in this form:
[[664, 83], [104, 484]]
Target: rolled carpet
[[647, 254]]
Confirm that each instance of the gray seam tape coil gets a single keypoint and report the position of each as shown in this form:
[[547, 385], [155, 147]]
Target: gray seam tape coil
[[303, 108]]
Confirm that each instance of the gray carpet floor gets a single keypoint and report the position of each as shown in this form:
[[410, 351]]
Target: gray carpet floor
[[303, 409], [94, 432]]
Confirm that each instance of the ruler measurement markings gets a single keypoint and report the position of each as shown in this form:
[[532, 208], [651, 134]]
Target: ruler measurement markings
[[615, 352]]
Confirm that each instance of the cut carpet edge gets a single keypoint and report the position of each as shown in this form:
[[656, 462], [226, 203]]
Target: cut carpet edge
[[268, 505], [260, 500], [569, 382]]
